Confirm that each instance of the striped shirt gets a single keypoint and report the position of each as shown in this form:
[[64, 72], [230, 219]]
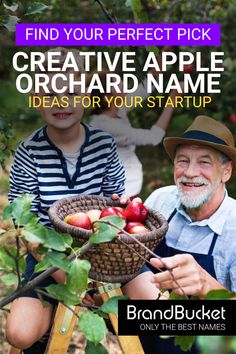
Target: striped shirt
[[40, 169]]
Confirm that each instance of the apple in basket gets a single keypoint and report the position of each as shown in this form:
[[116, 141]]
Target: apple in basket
[[136, 211], [79, 219], [113, 211], [135, 227], [94, 214]]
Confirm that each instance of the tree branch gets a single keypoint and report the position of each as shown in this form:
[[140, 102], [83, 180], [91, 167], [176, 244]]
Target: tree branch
[[32, 284], [105, 11]]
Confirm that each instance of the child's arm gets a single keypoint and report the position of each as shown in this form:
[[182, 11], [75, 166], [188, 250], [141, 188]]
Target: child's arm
[[114, 176]]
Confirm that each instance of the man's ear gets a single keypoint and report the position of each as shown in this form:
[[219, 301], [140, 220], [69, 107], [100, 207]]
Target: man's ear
[[228, 170]]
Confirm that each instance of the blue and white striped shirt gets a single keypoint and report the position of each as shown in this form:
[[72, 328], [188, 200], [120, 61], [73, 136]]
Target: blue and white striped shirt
[[40, 169]]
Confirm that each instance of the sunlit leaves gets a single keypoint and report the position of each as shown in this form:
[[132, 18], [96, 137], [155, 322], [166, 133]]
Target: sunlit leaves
[[185, 342], [36, 8], [61, 293], [95, 348], [222, 294], [77, 277], [93, 326], [104, 232], [111, 305]]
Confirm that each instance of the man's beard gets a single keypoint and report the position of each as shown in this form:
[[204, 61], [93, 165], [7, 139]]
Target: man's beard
[[192, 200]]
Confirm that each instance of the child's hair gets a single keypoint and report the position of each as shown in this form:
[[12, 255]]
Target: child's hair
[[96, 92], [63, 53]]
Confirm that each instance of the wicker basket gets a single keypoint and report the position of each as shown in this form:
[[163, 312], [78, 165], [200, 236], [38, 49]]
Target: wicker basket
[[112, 261]]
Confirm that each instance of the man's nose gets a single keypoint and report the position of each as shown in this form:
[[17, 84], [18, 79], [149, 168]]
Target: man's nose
[[191, 170]]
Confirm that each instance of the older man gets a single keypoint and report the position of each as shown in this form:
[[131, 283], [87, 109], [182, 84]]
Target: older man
[[200, 245]]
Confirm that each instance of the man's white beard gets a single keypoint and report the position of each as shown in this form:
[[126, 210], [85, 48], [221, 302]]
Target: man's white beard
[[192, 200]]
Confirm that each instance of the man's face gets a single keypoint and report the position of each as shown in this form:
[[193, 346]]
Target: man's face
[[59, 117], [199, 174]]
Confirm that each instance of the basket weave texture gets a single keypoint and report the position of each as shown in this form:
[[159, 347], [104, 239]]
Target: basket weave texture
[[111, 261]]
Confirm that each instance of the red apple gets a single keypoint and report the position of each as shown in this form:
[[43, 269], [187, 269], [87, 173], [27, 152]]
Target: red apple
[[79, 219], [136, 211], [131, 224], [188, 68], [136, 228], [113, 211], [232, 117], [94, 214]]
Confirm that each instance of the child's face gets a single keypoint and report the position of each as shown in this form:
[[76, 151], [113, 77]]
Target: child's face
[[59, 117]]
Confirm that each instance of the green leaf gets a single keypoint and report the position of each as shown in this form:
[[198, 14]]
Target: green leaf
[[77, 277], [31, 237], [42, 265], [36, 8], [92, 348], [104, 232], [136, 5], [10, 22], [61, 293], [174, 296], [7, 212], [185, 342], [111, 306], [19, 209], [9, 279], [93, 326], [49, 238], [219, 294], [12, 8], [6, 261], [58, 260], [140, 14]]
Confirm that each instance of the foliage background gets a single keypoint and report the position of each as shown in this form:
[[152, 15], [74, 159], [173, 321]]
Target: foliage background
[[157, 167]]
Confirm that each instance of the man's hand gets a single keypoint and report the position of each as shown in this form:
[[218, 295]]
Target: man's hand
[[192, 279]]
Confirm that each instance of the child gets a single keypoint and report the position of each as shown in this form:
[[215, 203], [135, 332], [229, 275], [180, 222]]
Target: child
[[115, 121], [64, 158]]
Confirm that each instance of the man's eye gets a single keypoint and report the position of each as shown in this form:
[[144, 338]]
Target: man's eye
[[205, 162]]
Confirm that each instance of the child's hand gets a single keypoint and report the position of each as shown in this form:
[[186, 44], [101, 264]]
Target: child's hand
[[124, 199], [31, 247], [88, 300], [92, 299]]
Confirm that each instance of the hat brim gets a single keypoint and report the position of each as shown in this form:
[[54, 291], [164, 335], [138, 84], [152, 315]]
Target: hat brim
[[171, 143]]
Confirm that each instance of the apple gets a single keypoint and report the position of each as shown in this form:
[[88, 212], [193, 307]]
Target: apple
[[113, 211], [136, 211], [94, 214], [134, 227], [188, 68], [79, 219], [131, 224], [232, 117]]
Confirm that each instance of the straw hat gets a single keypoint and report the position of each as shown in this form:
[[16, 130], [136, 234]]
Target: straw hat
[[204, 131]]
